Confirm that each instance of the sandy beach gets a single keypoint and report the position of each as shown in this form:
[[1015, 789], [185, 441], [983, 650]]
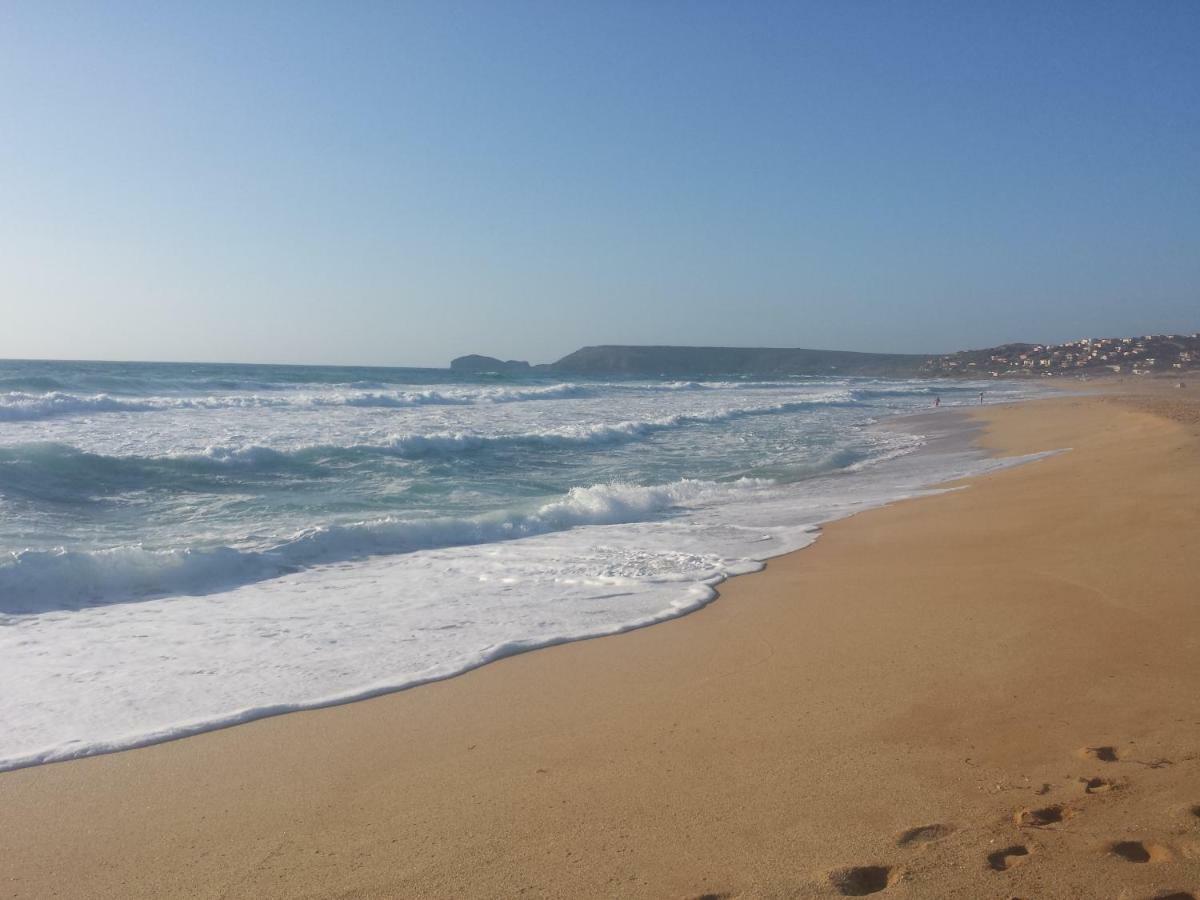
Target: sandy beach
[[992, 692]]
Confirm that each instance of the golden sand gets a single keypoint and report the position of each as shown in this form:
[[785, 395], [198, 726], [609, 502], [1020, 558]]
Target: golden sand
[[993, 692]]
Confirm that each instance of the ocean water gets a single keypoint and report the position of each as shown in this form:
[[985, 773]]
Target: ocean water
[[184, 547]]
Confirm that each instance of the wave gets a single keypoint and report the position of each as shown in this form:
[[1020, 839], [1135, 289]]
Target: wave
[[449, 443], [670, 386], [190, 379], [438, 443], [452, 398], [513, 395], [894, 393], [59, 473], [889, 445], [36, 581], [674, 386], [55, 471], [30, 383], [18, 406], [967, 389]]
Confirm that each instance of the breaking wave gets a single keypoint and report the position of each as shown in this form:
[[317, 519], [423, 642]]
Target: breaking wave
[[51, 471], [449, 443], [16, 406], [38, 581]]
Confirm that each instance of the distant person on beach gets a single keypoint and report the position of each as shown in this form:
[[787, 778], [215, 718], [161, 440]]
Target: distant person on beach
[[981, 398], [937, 401]]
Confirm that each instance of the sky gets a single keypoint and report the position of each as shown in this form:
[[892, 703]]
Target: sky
[[401, 183]]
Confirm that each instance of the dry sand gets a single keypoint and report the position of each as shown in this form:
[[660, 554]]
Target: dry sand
[[994, 692]]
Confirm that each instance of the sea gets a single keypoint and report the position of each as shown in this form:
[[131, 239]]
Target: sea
[[188, 546]]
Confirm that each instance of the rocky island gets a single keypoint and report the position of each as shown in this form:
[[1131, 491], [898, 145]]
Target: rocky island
[[479, 365]]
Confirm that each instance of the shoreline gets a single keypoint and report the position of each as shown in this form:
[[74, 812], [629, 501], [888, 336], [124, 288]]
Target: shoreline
[[949, 431], [922, 670]]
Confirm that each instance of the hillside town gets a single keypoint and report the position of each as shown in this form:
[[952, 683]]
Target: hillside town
[[1146, 355]]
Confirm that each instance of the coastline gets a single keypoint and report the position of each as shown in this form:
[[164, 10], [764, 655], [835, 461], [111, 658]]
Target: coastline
[[930, 664]]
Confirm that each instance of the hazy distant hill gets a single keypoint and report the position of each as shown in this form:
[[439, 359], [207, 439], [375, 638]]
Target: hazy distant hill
[[1173, 353], [709, 361]]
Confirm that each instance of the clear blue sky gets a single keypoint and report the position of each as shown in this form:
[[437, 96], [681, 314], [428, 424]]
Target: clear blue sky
[[399, 183]]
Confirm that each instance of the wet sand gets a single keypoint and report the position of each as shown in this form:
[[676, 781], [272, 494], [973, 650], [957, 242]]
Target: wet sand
[[992, 692]]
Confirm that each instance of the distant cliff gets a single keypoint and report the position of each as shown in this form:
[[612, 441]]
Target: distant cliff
[[477, 364], [710, 361]]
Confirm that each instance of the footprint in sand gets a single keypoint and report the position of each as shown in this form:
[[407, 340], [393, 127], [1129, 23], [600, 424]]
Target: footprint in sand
[[1104, 754], [859, 881], [923, 834], [1043, 817], [1099, 785], [1002, 860], [1139, 852]]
